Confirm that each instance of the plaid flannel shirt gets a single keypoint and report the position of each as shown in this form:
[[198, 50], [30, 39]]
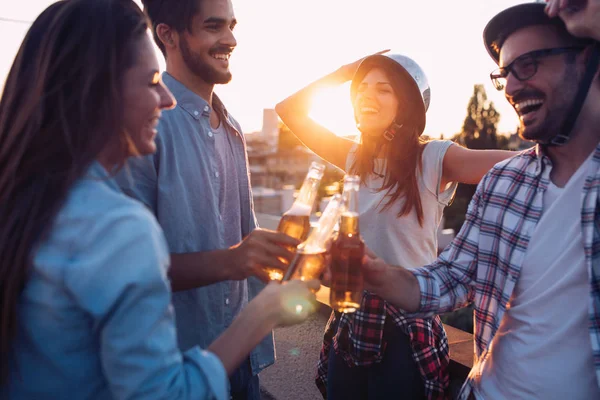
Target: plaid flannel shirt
[[360, 341], [483, 263]]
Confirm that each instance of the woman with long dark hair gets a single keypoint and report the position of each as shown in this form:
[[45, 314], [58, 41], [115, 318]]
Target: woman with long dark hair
[[85, 307], [378, 352]]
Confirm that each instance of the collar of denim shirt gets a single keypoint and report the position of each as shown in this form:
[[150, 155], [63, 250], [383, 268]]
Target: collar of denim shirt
[[97, 172], [192, 103]]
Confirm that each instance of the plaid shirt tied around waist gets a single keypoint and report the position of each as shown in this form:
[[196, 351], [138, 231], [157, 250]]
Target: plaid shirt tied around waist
[[359, 340]]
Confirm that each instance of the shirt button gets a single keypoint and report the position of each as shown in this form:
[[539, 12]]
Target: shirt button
[[210, 134], [205, 108], [196, 113], [226, 301], [217, 174]]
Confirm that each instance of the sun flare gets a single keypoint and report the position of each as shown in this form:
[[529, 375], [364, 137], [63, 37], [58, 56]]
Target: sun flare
[[332, 108]]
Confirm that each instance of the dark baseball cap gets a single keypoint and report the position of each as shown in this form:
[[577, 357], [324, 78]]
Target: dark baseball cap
[[511, 20]]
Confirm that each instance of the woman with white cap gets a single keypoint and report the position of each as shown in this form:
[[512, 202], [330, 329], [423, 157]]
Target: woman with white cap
[[407, 182]]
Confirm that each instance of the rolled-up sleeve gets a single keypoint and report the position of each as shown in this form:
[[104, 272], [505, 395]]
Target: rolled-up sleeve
[[121, 283], [448, 283]]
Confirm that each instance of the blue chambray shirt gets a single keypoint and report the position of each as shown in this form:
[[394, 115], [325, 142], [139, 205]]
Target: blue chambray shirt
[[95, 318], [180, 184]]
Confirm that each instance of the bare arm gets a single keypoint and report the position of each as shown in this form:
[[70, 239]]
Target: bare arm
[[274, 306], [191, 270], [294, 111], [469, 166], [261, 247]]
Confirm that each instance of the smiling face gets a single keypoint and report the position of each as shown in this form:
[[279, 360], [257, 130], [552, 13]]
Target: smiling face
[[375, 104], [206, 48], [144, 95], [542, 101]]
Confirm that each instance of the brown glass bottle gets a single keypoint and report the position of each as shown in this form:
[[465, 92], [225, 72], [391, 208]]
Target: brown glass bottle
[[347, 252], [313, 255], [295, 222]]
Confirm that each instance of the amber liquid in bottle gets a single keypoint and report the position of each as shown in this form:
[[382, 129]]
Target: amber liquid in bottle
[[346, 258], [295, 222]]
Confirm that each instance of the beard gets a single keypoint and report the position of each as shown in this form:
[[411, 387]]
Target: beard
[[562, 98], [201, 69]]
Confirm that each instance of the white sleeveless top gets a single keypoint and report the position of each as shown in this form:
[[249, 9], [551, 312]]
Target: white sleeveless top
[[402, 241]]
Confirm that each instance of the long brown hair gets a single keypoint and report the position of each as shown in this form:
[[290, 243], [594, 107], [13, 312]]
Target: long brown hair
[[402, 154], [61, 106]]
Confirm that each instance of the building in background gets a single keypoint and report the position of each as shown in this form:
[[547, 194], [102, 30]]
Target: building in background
[[278, 162]]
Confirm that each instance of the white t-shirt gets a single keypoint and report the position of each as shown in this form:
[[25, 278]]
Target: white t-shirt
[[402, 241], [542, 349]]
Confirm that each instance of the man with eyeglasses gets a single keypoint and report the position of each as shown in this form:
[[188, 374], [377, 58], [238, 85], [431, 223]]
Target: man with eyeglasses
[[528, 255]]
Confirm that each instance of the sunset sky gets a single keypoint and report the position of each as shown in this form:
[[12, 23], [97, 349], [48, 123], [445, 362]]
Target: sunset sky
[[285, 44]]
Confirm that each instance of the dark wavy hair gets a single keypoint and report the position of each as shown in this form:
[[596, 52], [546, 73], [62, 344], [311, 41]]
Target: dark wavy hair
[[62, 105], [177, 14], [402, 154]]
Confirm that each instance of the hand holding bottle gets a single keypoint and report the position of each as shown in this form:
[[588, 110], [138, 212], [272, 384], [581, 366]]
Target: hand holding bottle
[[296, 221]]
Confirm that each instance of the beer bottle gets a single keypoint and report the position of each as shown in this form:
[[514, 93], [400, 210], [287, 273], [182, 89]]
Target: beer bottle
[[347, 251], [295, 222], [312, 255]]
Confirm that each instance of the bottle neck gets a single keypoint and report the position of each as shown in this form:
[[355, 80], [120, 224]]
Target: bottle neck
[[308, 192], [349, 219], [349, 224]]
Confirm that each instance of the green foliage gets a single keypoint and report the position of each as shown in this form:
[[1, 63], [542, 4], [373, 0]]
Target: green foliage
[[480, 125], [479, 131]]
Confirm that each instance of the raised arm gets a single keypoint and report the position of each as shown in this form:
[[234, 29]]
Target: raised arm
[[294, 111], [469, 166]]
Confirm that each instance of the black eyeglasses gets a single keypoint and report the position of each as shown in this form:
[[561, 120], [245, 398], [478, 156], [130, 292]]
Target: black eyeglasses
[[525, 66]]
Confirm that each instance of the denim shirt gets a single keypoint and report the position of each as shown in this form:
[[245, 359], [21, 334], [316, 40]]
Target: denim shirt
[[95, 318], [180, 184]]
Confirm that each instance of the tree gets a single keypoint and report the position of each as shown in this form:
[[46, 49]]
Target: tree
[[479, 131], [480, 125]]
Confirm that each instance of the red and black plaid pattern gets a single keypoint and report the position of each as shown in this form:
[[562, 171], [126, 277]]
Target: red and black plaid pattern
[[359, 340]]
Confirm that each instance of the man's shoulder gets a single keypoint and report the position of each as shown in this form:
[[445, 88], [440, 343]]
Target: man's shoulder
[[520, 162], [511, 174]]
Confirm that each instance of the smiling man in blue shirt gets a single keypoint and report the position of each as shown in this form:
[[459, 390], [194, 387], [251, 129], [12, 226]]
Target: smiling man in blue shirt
[[197, 184]]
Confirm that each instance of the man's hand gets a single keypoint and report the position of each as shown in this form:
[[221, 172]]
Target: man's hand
[[259, 249], [582, 17], [395, 284], [374, 271]]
